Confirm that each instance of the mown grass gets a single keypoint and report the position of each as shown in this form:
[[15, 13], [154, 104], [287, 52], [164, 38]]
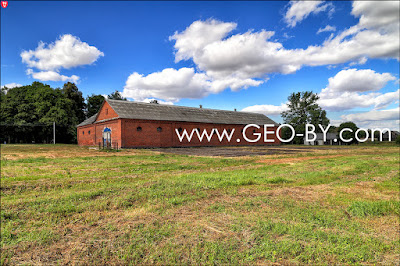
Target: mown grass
[[375, 208], [65, 204]]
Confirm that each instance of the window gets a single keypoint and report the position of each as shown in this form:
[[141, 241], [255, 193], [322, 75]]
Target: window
[[159, 129], [106, 111], [83, 132], [89, 132], [139, 129]]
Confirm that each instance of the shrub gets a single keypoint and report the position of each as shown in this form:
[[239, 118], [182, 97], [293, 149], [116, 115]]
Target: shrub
[[398, 139]]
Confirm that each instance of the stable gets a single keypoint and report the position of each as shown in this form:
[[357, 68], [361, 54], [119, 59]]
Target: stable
[[331, 139], [130, 124]]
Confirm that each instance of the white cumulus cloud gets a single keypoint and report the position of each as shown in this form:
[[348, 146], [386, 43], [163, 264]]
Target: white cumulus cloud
[[359, 80], [374, 115], [237, 61], [197, 36], [353, 88], [11, 85], [326, 28], [349, 100], [299, 10], [348, 89], [267, 109], [377, 14], [66, 52], [375, 119], [255, 54], [51, 76], [148, 100], [169, 84]]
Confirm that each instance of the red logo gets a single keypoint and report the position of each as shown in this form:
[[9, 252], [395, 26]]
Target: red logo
[[4, 4]]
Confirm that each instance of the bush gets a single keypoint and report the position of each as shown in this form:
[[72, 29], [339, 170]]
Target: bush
[[398, 139]]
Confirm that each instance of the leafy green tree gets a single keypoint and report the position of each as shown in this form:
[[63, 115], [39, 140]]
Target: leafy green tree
[[72, 92], [333, 129], [3, 92], [116, 96], [28, 113], [303, 109], [348, 134], [93, 104]]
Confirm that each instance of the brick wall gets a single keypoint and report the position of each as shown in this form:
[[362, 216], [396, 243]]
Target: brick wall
[[114, 126], [86, 135], [96, 133], [106, 112], [145, 133]]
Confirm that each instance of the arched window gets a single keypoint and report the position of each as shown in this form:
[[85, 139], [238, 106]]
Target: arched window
[[139, 129], [83, 132], [159, 129], [89, 132]]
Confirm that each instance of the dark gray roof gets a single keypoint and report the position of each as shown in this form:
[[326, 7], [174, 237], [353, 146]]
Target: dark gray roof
[[329, 136], [164, 112], [88, 121], [394, 134]]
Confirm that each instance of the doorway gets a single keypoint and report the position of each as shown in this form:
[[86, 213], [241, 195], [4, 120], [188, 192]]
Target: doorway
[[107, 137]]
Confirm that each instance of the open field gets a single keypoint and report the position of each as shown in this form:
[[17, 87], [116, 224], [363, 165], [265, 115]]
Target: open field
[[67, 204]]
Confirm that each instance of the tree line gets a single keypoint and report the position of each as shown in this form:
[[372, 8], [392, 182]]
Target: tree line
[[28, 112]]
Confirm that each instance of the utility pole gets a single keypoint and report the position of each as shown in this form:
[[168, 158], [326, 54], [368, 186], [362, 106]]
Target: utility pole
[[54, 132]]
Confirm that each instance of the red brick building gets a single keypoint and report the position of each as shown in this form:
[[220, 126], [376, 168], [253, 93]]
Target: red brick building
[[132, 124]]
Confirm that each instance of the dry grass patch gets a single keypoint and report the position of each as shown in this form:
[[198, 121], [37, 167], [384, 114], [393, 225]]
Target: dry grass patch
[[367, 190], [296, 160]]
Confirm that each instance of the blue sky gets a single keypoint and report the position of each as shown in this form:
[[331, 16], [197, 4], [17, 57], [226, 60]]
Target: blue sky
[[223, 55]]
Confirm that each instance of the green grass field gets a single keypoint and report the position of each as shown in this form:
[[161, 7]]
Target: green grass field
[[67, 204]]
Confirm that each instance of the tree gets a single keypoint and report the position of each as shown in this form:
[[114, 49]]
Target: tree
[[72, 92], [28, 113], [154, 101], [348, 134], [93, 104], [116, 96], [333, 129], [303, 109]]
